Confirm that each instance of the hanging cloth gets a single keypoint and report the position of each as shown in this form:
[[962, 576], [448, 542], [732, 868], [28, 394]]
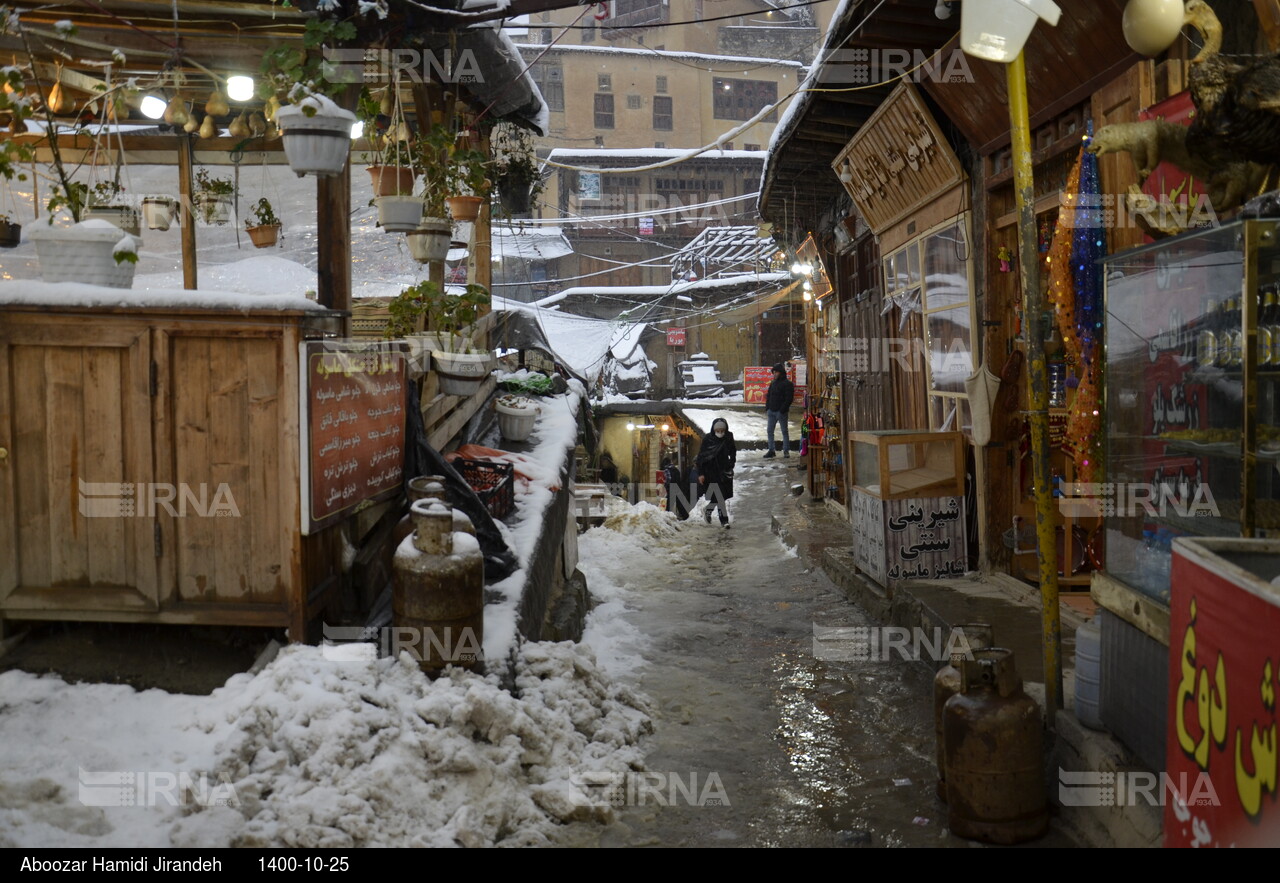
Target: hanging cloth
[[982, 387]]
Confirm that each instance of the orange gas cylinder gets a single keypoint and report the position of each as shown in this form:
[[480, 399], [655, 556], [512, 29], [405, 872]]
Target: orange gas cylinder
[[993, 739], [961, 644]]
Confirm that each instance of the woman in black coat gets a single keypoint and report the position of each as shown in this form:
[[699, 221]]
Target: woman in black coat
[[715, 462]]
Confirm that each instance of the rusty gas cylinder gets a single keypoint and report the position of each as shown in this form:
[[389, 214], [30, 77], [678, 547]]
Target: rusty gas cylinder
[[437, 601], [962, 642], [994, 754], [433, 487]]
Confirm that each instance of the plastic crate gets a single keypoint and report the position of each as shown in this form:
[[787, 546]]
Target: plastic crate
[[494, 483]]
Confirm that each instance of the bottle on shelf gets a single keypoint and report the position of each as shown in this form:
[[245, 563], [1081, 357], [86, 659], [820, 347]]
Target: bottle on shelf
[[1222, 332], [1236, 334], [1207, 337], [1266, 314]]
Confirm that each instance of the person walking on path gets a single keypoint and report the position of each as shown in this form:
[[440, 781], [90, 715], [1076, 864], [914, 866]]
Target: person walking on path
[[715, 462], [776, 404]]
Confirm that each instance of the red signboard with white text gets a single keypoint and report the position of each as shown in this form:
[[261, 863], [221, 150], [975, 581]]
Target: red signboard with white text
[[675, 337], [1224, 675]]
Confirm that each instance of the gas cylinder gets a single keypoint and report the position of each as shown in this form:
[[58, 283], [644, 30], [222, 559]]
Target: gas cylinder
[[993, 741], [962, 642], [437, 600], [432, 487]]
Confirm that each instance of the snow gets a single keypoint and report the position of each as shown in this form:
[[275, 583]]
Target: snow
[[537, 49], [74, 294], [322, 748], [260, 275], [746, 426], [569, 154]]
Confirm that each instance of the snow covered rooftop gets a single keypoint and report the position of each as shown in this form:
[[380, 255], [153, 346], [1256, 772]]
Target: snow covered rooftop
[[569, 154], [530, 243], [738, 247], [537, 49]]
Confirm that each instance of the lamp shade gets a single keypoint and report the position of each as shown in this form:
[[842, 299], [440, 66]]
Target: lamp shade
[[996, 30], [1151, 26]]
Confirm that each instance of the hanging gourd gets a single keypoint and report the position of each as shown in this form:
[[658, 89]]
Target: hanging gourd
[[258, 124], [191, 125], [58, 103], [175, 113], [273, 104], [388, 104], [207, 128], [216, 105], [239, 127]]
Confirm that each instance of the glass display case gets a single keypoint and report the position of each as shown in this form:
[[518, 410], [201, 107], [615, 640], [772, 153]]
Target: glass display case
[[897, 464], [1191, 418]]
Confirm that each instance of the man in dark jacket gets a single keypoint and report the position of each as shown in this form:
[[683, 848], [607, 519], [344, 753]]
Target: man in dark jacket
[[776, 404]]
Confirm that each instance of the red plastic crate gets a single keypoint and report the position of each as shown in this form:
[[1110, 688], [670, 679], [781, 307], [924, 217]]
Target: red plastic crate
[[494, 483]]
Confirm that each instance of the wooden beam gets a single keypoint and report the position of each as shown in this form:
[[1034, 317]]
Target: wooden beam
[[190, 279], [333, 243]]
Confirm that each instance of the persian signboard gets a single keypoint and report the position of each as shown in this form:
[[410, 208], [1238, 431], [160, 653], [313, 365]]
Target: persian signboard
[[1220, 786], [353, 440]]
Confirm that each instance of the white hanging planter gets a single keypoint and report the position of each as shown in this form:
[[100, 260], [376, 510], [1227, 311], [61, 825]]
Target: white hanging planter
[[515, 421], [213, 210], [461, 374], [157, 212], [430, 240], [317, 136], [84, 253], [398, 214], [123, 216]]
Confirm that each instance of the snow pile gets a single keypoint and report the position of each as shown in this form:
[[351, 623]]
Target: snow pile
[[323, 748], [341, 754]]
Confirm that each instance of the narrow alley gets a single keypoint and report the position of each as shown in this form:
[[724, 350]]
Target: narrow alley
[[717, 630]]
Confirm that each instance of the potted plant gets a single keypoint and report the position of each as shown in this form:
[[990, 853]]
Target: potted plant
[[262, 224], [158, 211], [461, 368], [430, 240], [515, 169], [213, 198], [390, 158], [469, 183], [10, 233], [516, 416], [104, 205], [315, 130]]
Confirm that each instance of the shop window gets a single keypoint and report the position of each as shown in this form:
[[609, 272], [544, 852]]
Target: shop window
[[943, 293]]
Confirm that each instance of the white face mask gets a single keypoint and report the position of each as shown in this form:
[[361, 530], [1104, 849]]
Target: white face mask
[[720, 433]]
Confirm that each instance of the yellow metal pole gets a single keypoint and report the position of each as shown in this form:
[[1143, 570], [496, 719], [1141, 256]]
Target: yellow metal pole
[[1038, 392]]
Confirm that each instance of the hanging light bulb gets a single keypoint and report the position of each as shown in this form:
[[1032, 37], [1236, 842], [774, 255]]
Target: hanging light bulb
[[240, 88], [808, 295], [152, 107], [357, 129]]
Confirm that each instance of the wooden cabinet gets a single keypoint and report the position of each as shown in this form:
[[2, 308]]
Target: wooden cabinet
[[151, 467]]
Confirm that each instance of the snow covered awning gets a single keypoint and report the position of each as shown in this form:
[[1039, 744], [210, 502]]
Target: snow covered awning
[[530, 243], [736, 248]]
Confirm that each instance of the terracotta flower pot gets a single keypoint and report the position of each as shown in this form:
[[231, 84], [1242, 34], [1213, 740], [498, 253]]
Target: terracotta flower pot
[[465, 208], [391, 180], [265, 235]]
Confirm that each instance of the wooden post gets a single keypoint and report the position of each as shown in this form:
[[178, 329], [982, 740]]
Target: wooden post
[[333, 244], [481, 262], [190, 280]]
